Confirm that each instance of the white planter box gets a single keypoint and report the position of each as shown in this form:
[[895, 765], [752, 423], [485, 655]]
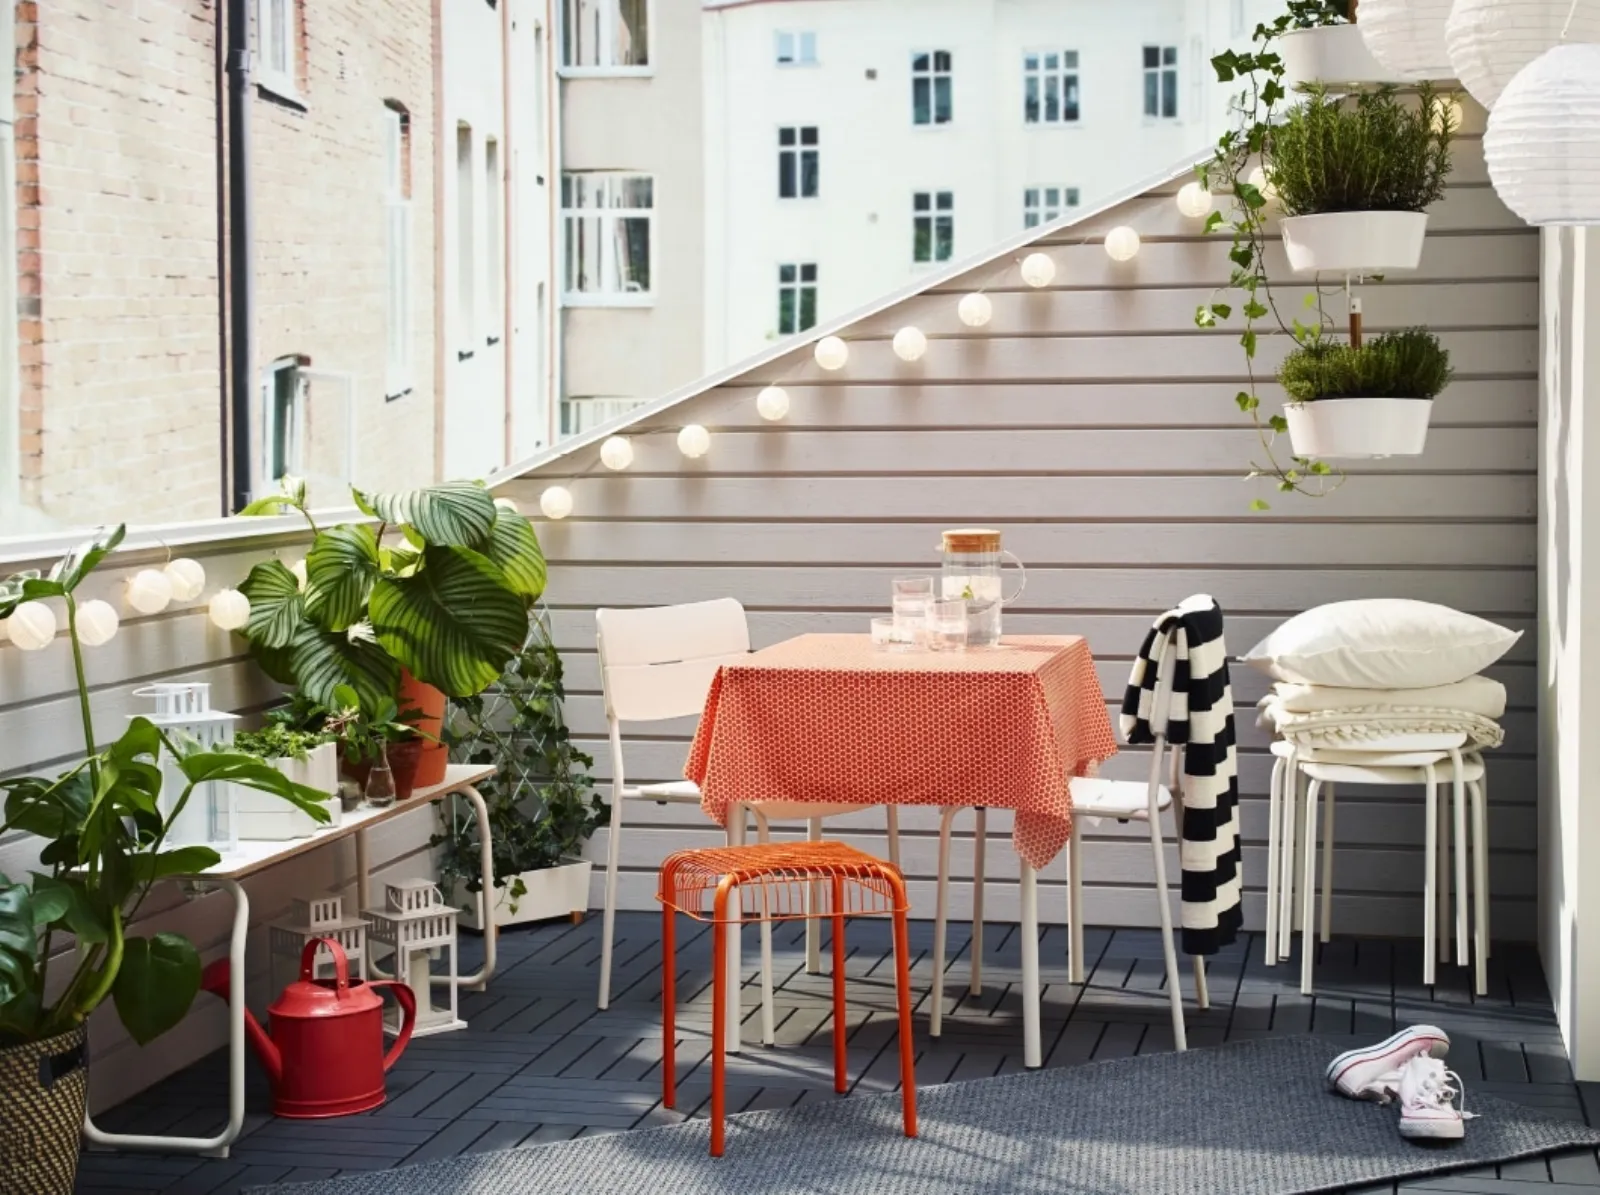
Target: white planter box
[[1335, 54], [1354, 242], [552, 892], [263, 816], [1359, 427]]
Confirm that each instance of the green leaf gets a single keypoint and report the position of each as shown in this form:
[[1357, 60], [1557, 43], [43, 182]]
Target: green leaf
[[1203, 318], [1259, 504], [1278, 423], [182, 861], [1214, 221], [457, 513], [1244, 400], [1221, 310], [277, 607], [69, 902], [1224, 64], [1248, 339], [1310, 300], [156, 984], [514, 548], [272, 504], [454, 624], [19, 947], [340, 570], [320, 660], [77, 564]]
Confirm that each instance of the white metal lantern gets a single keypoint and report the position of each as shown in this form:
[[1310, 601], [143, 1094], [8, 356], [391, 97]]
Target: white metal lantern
[[418, 925], [1489, 41], [321, 917], [1407, 36], [184, 710], [1542, 144]]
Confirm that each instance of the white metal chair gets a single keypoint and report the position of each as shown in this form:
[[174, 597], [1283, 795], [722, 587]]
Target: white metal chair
[[658, 663], [1123, 800]]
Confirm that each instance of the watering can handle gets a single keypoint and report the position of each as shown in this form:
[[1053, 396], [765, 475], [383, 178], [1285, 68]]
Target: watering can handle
[[341, 964], [408, 1010], [1021, 572]]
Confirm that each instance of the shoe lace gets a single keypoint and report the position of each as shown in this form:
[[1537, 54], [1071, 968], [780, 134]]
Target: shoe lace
[[1439, 1087]]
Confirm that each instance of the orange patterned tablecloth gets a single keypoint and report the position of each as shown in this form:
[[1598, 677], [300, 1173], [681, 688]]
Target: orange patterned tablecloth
[[831, 719]]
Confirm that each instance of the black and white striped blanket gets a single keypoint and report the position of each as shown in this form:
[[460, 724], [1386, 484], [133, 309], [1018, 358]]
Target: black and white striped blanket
[[1201, 720]]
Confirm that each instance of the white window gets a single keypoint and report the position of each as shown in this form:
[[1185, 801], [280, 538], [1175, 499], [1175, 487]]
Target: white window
[[933, 225], [309, 429], [607, 220], [931, 85], [275, 46], [797, 297], [493, 266], [606, 35], [1161, 82], [795, 49], [1050, 87], [799, 163], [1040, 205], [397, 226], [582, 412], [466, 241], [283, 404]]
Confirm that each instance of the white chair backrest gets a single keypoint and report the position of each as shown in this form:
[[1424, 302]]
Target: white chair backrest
[[659, 662]]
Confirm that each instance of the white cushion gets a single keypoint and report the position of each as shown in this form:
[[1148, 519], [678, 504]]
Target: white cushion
[[1381, 643]]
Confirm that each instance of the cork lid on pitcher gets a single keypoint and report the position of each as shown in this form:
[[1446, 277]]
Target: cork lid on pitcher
[[971, 539]]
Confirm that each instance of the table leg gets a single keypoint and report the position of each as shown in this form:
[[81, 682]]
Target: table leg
[[479, 979], [1032, 1051], [217, 1146]]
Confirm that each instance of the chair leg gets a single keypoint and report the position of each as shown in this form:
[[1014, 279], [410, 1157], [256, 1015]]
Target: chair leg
[[1032, 1039], [980, 828], [1289, 861], [841, 1078], [814, 894], [1488, 909], [941, 910], [1459, 808], [1325, 916], [719, 1036], [1202, 991], [1480, 888], [608, 922], [1308, 889], [1274, 830], [669, 1008], [902, 985], [891, 814], [1441, 882], [1075, 907], [769, 1033], [1158, 851], [1430, 877]]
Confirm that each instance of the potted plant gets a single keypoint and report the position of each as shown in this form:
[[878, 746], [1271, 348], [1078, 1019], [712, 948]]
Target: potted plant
[[1322, 44], [437, 613], [542, 805], [103, 847], [1365, 400], [307, 757], [368, 734]]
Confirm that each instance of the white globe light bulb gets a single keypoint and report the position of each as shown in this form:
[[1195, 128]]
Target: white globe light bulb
[[975, 310], [617, 452], [694, 441], [1122, 243], [97, 623], [556, 502], [507, 505], [1038, 269], [32, 626], [298, 568], [1447, 107], [229, 609], [149, 591], [1194, 201], [1259, 180], [910, 344], [187, 578], [831, 353], [772, 403]]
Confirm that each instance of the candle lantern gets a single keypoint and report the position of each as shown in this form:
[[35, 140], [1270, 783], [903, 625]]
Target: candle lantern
[[320, 917], [183, 710], [419, 926]]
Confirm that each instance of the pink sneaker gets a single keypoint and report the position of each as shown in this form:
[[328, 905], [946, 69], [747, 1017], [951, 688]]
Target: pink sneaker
[[1372, 1072]]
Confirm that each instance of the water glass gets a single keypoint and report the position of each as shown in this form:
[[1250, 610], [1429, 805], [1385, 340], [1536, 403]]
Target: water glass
[[947, 626], [913, 587], [886, 635], [911, 613]]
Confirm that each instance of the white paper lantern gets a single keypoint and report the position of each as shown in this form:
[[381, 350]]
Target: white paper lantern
[[772, 403], [831, 353], [1542, 144], [1407, 36], [1194, 201], [1489, 41], [1122, 243], [617, 452], [32, 626], [694, 441], [910, 344], [1038, 269], [149, 591], [187, 578], [506, 504], [229, 609], [1259, 180], [556, 502], [97, 623], [975, 310], [298, 568]]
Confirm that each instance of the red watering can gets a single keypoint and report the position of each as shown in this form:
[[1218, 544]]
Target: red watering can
[[325, 1055]]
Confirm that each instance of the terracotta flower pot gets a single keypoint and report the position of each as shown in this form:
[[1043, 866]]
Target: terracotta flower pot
[[404, 760], [429, 702], [44, 1087]]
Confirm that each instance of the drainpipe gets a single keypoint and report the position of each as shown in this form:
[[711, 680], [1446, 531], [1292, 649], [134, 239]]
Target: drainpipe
[[224, 396], [241, 250], [555, 323], [508, 255], [440, 152]]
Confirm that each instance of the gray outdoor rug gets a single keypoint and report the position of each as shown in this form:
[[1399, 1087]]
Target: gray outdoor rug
[[1251, 1118]]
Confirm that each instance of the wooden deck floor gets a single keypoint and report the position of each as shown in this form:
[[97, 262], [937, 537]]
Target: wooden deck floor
[[539, 1063]]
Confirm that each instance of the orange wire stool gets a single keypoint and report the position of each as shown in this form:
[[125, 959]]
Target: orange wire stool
[[779, 882]]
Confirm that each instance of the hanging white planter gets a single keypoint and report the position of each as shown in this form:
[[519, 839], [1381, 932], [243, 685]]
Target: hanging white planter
[[552, 892], [1350, 428], [1335, 55], [1354, 242]]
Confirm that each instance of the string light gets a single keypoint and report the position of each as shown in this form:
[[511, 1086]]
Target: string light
[[1122, 243], [1038, 269], [508, 505], [149, 591], [1194, 201], [1447, 108], [187, 578], [1259, 180], [32, 626], [229, 609], [617, 453], [975, 310], [910, 344], [556, 502], [298, 568], [772, 403], [694, 441], [831, 353], [97, 623]]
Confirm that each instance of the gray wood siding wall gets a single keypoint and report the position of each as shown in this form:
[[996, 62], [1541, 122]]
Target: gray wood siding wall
[[1095, 424]]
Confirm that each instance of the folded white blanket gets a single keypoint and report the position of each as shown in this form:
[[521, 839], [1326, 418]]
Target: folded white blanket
[[1320, 716], [1475, 695]]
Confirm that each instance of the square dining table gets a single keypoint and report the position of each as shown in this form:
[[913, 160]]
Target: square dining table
[[834, 719]]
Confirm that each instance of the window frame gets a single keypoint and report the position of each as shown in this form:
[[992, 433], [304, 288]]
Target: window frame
[[397, 233], [283, 83], [608, 216], [941, 206], [1164, 72], [494, 238], [932, 75], [792, 159], [294, 451], [465, 323], [1040, 211], [1061, 74], [564, 70], [797, 286], [798, 39]]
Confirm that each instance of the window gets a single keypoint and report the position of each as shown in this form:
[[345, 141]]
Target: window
[[799, 163], [275, 42], [606, 35], [1050, 87], [930, 87], [494, 268], [1040, 205], [1161, 82], [797, 298], [796, 49], [466, 275], [607, 220], [933, 225], [283, 400], [397, 226]]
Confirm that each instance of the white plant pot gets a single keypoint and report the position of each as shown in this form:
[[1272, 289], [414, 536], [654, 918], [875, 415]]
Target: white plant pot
[[264, 817], [1335, 55], [552, 892], [1359, 427], [1354, 242]]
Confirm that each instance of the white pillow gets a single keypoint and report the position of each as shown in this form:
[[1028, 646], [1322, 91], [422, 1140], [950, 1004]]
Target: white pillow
[[1381, 643]]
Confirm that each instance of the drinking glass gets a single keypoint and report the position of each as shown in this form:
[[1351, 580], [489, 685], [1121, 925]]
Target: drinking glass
[[883, 634], [913, 587], [947, 626], [913, 600]]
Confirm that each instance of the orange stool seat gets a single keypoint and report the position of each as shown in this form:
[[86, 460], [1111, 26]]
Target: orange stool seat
[[784, 881]]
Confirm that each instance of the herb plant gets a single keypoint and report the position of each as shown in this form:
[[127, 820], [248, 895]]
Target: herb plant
[[365, 732], [276, 741], [1370, 153], [1408, 364]]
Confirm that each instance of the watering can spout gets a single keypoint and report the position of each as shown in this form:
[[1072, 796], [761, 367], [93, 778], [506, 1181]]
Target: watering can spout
[[217, 979]]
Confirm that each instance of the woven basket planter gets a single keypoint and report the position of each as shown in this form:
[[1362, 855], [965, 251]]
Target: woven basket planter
[[44, 1089]]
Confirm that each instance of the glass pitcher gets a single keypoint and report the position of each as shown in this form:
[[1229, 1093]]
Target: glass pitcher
[[973, 559]]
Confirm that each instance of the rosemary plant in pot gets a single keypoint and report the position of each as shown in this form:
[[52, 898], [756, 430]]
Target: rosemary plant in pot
[[102, 838], [1367, 400]]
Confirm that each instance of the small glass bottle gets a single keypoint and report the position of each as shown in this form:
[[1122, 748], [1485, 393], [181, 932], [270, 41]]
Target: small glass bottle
[[380, 784]]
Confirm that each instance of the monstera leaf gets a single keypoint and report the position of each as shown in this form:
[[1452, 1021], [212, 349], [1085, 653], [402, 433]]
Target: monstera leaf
[[321, 660], [156, 984], [340, 570], [18, 945], [454, 623], [514, 548], [455, 514]]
